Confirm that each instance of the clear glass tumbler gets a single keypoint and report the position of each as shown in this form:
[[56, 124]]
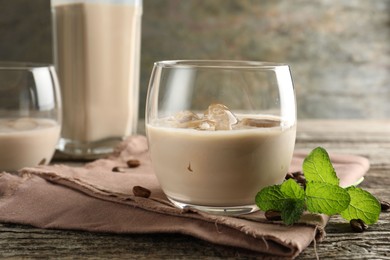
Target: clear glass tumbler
[[97, 56], [219, 131], [30, 115]]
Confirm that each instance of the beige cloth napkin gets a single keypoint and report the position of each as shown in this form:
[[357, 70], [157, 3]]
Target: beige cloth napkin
[[94, 198]]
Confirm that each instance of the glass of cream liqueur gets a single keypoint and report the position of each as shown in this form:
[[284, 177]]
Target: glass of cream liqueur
[[30, 115], [219, 131]]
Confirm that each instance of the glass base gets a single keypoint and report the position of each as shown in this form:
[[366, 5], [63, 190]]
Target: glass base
[[70, 149], [228, 211]]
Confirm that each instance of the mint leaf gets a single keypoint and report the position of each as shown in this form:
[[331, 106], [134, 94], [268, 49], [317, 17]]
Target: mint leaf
[[288, 198], [363, 206], [270, 198], [292, 189], [294, 205], [326, 198], [292, 210], [318, 167]]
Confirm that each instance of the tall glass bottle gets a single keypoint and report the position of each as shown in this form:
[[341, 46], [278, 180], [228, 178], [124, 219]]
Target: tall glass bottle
[[97, 57]]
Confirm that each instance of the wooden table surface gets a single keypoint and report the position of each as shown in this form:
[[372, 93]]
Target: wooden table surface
[[367, 138]]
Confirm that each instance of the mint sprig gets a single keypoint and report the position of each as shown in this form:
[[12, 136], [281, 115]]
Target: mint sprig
[[321, 195]]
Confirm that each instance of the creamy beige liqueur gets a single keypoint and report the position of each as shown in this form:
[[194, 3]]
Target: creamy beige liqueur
[[27, 142], [97, 48], [219, 168]]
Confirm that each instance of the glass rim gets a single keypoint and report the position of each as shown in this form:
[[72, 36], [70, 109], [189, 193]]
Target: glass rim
[[21, 65], [230, 64]]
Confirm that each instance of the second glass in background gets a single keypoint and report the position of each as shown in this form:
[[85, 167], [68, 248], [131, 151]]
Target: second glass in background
[[97, 55], [30, 114]]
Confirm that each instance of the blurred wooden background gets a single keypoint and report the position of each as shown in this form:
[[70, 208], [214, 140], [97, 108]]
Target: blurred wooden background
[[339, 50]]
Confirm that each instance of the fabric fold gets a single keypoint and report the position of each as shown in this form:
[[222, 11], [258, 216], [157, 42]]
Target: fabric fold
[[95, 198]]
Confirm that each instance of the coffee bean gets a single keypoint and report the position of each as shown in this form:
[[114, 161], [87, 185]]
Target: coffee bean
[[139, 191], [301, 179], [358, 225], [133, 163], [385, 206], [298, 173], [42, 162], [273, 215], [289, 175], [119, 169], [298, 177]]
